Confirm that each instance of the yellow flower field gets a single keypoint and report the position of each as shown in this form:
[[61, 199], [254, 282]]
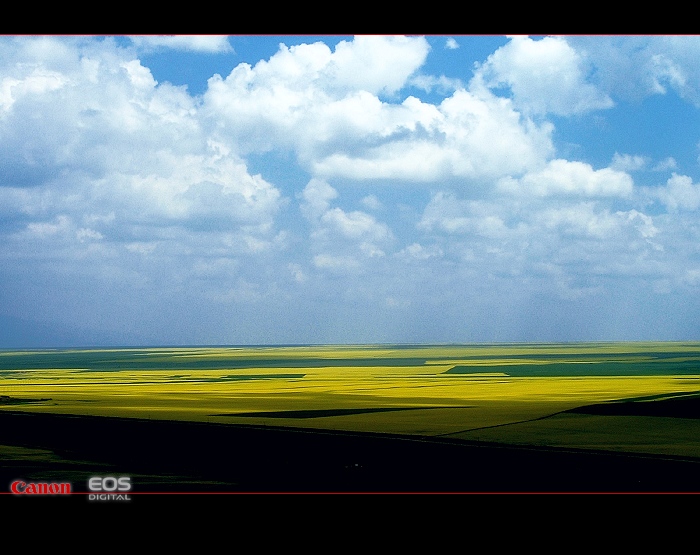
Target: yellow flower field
[[481, 402]]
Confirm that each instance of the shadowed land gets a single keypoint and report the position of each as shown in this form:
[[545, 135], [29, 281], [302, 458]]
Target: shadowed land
[[7, 400], [174, 456], [676, 406]]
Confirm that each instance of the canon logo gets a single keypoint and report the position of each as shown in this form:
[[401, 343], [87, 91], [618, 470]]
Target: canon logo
[[21, 487]]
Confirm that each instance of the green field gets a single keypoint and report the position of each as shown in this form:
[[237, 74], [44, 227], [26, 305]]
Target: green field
[[555, 395]]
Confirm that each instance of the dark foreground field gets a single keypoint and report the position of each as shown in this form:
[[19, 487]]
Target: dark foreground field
[[167, 456]]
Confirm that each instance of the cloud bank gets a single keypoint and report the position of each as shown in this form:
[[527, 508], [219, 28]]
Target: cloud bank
[[319, 194]]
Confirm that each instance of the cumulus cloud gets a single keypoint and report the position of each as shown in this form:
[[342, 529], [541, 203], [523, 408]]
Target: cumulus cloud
[[564, 241], [441, 84], [308, 97], [87, 132], [490, 225], [37, 82], [419, 252], [666, 164], [61, 224], [563, 177], [680, 193], [545, 76], [355, 225], [314, 102], [376, 64], [316, 198], [351, 225], [467, 135], [582, 220], [627, 162], [371, 202], [340, 235], [634, 67]]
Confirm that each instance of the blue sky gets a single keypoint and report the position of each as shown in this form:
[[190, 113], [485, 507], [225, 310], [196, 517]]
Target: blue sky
[[382, 189]]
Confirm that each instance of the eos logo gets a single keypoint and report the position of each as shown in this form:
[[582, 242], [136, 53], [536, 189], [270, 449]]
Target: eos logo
[[109, 484]]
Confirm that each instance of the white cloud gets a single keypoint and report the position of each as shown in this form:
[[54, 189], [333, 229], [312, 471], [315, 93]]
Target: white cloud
[[355, 225], [676, 65], [306, 96], [692, 277], [465, 136], [666, 164], [38, 82], [489, 138], [343, 239], [563, 177], [374, 64], [371, 202], [316, 199], [627, 162], [318, 104], [85, 234], [452, 215], [419, 161], [545, 76], [451, 44], [582, 219], [634, 67], [143, 248], [419, 252], [643, 223], [212, 44], [87, 130], [680, 193], [297, 272], [666, 71], [377, 64], [371, 250], [561, 240], [43, 229], [441, 84]]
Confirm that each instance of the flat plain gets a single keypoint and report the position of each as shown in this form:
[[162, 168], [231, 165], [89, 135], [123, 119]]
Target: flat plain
[[638, 399]]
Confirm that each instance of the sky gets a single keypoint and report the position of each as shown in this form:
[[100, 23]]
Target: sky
[[254, 190]]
